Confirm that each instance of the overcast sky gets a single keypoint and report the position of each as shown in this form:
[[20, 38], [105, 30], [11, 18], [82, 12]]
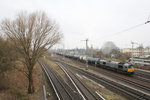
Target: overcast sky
[[97, 20]]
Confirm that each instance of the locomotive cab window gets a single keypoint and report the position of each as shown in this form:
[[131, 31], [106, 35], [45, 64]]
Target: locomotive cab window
[[104, 62], [130, 66], [120, 65]]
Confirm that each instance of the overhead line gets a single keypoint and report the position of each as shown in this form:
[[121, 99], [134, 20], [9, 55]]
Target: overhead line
[[148, 21], [124, 30]]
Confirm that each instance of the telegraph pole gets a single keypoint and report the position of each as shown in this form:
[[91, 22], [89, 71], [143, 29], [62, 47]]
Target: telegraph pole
[[148, 21], [86, 41], [132, 52], [86, 45], [91, 51]]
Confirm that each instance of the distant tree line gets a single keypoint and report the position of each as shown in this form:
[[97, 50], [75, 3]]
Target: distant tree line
[[110, 50]]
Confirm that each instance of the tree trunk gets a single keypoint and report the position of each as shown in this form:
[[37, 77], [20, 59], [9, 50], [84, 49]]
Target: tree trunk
[[31, 86]]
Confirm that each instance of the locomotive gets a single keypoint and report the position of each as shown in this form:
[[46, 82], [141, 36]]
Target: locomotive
[[125, 68]]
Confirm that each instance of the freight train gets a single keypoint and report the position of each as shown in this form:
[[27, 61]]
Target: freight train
[[125, 68]]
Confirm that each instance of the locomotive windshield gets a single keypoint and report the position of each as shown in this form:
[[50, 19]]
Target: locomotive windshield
[[130, 66]]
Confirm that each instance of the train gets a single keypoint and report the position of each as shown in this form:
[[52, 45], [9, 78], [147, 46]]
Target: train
[[124, 68]]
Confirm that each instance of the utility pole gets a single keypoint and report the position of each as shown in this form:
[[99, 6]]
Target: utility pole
[[91, 51], [148, 21], [86, 40], [86, 45], [132, 52]]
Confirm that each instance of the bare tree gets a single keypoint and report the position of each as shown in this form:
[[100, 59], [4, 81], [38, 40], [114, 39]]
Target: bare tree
[[32, 35], [108, 47]]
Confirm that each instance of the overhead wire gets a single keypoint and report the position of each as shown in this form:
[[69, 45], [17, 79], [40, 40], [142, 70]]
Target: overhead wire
[[124, 30], [128, 29]]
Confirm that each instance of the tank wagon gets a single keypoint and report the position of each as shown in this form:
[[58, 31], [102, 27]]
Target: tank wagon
[[125, 68]]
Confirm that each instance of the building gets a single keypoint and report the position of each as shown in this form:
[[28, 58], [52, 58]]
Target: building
[[138, 52]]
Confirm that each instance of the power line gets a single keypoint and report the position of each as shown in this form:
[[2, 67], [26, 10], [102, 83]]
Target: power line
[[148, 21], [125, 30], [128, 29]]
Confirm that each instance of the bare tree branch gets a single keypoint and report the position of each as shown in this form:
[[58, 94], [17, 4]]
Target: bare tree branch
[[32, 35]]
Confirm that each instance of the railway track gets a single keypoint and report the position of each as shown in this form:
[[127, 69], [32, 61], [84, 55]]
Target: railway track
[[143, 74], [58, 86], [139, 75], [135, 84], [84, 91], [141, 78], [133, 92]]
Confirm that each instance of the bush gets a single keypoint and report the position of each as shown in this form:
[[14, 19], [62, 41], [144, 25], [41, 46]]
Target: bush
[[7, 56]]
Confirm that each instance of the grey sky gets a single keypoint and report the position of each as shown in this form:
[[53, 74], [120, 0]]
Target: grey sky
[[97, 20]]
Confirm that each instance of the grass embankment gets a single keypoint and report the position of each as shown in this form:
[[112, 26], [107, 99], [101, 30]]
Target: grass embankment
[[14, 85]]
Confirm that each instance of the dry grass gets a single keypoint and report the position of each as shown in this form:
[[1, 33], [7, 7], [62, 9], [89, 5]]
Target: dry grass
[[16, 85]]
